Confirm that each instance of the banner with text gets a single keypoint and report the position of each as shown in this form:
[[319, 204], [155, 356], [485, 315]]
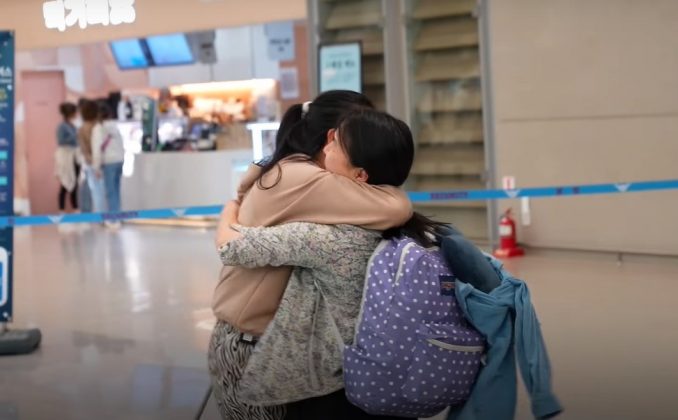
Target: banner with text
[[6, 170]]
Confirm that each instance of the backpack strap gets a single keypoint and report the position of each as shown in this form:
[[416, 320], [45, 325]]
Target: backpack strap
[[380, 248], [106, 142], [403, 256]]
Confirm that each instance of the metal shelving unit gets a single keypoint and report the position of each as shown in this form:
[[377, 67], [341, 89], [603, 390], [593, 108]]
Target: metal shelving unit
[[443, 46]]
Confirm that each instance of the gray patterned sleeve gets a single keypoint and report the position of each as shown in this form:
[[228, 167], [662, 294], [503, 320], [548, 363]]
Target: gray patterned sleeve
[[299, 244]]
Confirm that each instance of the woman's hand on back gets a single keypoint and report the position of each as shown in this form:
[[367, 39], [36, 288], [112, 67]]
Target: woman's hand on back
[[229, 217]]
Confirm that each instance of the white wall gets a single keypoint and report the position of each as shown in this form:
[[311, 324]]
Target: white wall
[[234, 53], [587, 92]]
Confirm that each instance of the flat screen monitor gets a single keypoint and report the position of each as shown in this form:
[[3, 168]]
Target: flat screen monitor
[[170, 50], [340, 66], [130, 54]]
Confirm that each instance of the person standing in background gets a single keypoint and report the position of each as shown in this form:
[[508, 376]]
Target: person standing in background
[[108, 155], [94, 180], [66, 166], [84, 194]]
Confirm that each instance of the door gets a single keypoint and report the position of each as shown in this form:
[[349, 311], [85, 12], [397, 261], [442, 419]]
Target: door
[[43, 92]]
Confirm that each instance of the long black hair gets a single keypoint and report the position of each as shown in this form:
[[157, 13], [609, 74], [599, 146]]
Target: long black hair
[[379, 143], [304, 131], [383, 147], [425, 231]]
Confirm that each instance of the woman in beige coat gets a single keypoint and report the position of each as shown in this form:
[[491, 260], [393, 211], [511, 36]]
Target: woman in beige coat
[[291, 186]]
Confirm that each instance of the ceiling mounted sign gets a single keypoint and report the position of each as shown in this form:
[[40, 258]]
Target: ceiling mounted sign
[[62, 14], [280, 40]]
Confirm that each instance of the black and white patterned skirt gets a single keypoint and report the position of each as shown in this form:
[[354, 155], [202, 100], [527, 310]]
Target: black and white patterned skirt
[[226, 359]]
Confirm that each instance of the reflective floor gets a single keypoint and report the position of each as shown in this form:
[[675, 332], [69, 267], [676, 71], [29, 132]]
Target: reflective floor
[[125, 318]]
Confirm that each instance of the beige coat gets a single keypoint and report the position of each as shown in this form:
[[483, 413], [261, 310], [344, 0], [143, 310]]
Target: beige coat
[[85, 140], [248, 298]]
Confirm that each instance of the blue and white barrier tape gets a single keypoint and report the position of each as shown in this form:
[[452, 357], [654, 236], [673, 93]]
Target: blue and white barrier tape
[[416, 197], [541, 192], [102, 217]]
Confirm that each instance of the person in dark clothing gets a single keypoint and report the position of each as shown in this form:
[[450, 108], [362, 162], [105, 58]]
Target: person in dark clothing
[[66, 164]]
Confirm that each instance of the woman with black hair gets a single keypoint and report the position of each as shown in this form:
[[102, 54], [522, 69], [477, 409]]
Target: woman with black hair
[[108, 155], [93, 178], [291, 186], [298, 359], [66, 163]]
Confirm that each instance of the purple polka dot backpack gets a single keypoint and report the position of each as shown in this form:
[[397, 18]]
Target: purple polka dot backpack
[[414, 354]]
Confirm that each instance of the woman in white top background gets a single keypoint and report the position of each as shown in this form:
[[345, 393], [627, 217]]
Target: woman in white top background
[[108, 155]]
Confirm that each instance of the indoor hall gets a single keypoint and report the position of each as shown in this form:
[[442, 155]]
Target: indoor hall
[[541, 133]]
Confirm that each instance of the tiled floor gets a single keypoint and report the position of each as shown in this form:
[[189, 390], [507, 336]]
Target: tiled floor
[[125, 320]]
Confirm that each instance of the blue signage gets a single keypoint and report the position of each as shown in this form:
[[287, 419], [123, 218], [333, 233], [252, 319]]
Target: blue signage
[[7, 74]]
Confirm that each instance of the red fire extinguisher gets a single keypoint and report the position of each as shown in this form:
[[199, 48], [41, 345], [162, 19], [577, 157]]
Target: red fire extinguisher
[[508, 244]]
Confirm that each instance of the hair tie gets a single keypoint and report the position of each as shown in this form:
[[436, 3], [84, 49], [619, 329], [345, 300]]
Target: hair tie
[[305, 108]]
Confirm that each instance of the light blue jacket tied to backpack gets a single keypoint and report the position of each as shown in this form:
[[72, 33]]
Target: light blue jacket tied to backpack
[[506, 318]]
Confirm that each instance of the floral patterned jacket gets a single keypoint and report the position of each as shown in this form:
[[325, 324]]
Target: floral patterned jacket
[[300, 354]]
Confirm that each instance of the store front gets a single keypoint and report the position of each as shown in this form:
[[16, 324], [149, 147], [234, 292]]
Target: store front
[[192, 107]]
